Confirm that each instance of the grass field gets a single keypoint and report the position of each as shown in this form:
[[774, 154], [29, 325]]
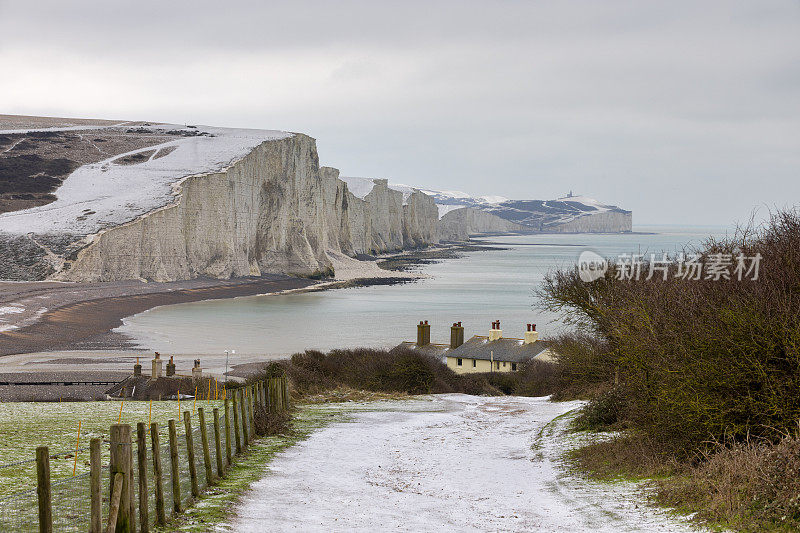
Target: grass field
[[24, 426]]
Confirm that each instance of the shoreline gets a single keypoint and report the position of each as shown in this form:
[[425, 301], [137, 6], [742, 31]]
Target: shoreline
[[56, 316], [81, 322]]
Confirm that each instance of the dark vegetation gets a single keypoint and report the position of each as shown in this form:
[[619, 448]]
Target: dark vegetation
[[31, 173], [406, 372], [269, 423], [704, 376]]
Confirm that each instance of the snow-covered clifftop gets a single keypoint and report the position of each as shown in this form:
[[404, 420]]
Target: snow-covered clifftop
[[219, 203]]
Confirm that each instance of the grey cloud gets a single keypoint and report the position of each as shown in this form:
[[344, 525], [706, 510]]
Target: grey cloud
[[673, 109]]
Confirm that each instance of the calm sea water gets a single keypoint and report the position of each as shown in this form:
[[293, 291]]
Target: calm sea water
[[476, 289]]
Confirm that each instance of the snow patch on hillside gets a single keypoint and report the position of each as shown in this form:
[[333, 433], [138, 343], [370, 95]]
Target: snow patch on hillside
[[104, 194]]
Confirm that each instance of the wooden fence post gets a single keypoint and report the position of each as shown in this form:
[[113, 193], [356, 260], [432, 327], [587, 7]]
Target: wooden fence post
[[131, 488], [120, 436], [218, 443], [144, 494], [206, 452], [176, 476], [114, 502], [243, 414], [286, 396], [187, 423], [236, 422], [43, 489], [227, 435], [95, 498], [251, 411], [158, 480]]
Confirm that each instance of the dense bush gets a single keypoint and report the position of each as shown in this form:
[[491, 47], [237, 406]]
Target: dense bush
[[698, 360]]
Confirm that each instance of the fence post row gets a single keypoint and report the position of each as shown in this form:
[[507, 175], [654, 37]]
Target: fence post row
[[271, 394], [161, 515], [120, 437]]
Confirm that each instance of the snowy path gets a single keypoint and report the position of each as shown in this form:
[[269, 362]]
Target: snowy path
[[453, 463]]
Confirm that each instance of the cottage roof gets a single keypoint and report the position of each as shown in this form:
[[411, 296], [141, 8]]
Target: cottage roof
[[503, 349]]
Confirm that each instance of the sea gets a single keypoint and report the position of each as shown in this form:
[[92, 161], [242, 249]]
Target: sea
[[476, 289]]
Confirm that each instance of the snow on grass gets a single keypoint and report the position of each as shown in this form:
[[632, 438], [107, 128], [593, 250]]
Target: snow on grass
[[455, 462], [26, 425], [103, 194]]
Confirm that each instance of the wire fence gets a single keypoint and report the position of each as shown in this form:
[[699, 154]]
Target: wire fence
[[71, 496]]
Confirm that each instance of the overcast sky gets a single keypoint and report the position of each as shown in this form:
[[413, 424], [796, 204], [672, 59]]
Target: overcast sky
[[683, 111]]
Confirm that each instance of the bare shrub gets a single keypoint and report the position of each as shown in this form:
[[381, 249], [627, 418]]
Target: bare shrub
[[270, 423]]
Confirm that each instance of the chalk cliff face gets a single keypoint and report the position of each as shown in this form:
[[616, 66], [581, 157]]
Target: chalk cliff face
[[459, 224], [420, 223], [607, 222], [275, 210]]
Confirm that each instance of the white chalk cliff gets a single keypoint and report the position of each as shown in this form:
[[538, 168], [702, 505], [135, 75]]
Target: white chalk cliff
[[253, 202], [219, 202]]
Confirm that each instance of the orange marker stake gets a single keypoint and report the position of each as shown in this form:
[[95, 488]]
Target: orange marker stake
[[194, 402], [119, 420]]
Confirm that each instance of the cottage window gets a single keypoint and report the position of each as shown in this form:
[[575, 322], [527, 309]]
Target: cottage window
[[504, 364], [474, 363], [497, 365], [459, 361], [513, 366]]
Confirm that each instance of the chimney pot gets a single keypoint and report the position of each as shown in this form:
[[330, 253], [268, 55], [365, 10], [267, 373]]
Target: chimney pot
[[533, 327]]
